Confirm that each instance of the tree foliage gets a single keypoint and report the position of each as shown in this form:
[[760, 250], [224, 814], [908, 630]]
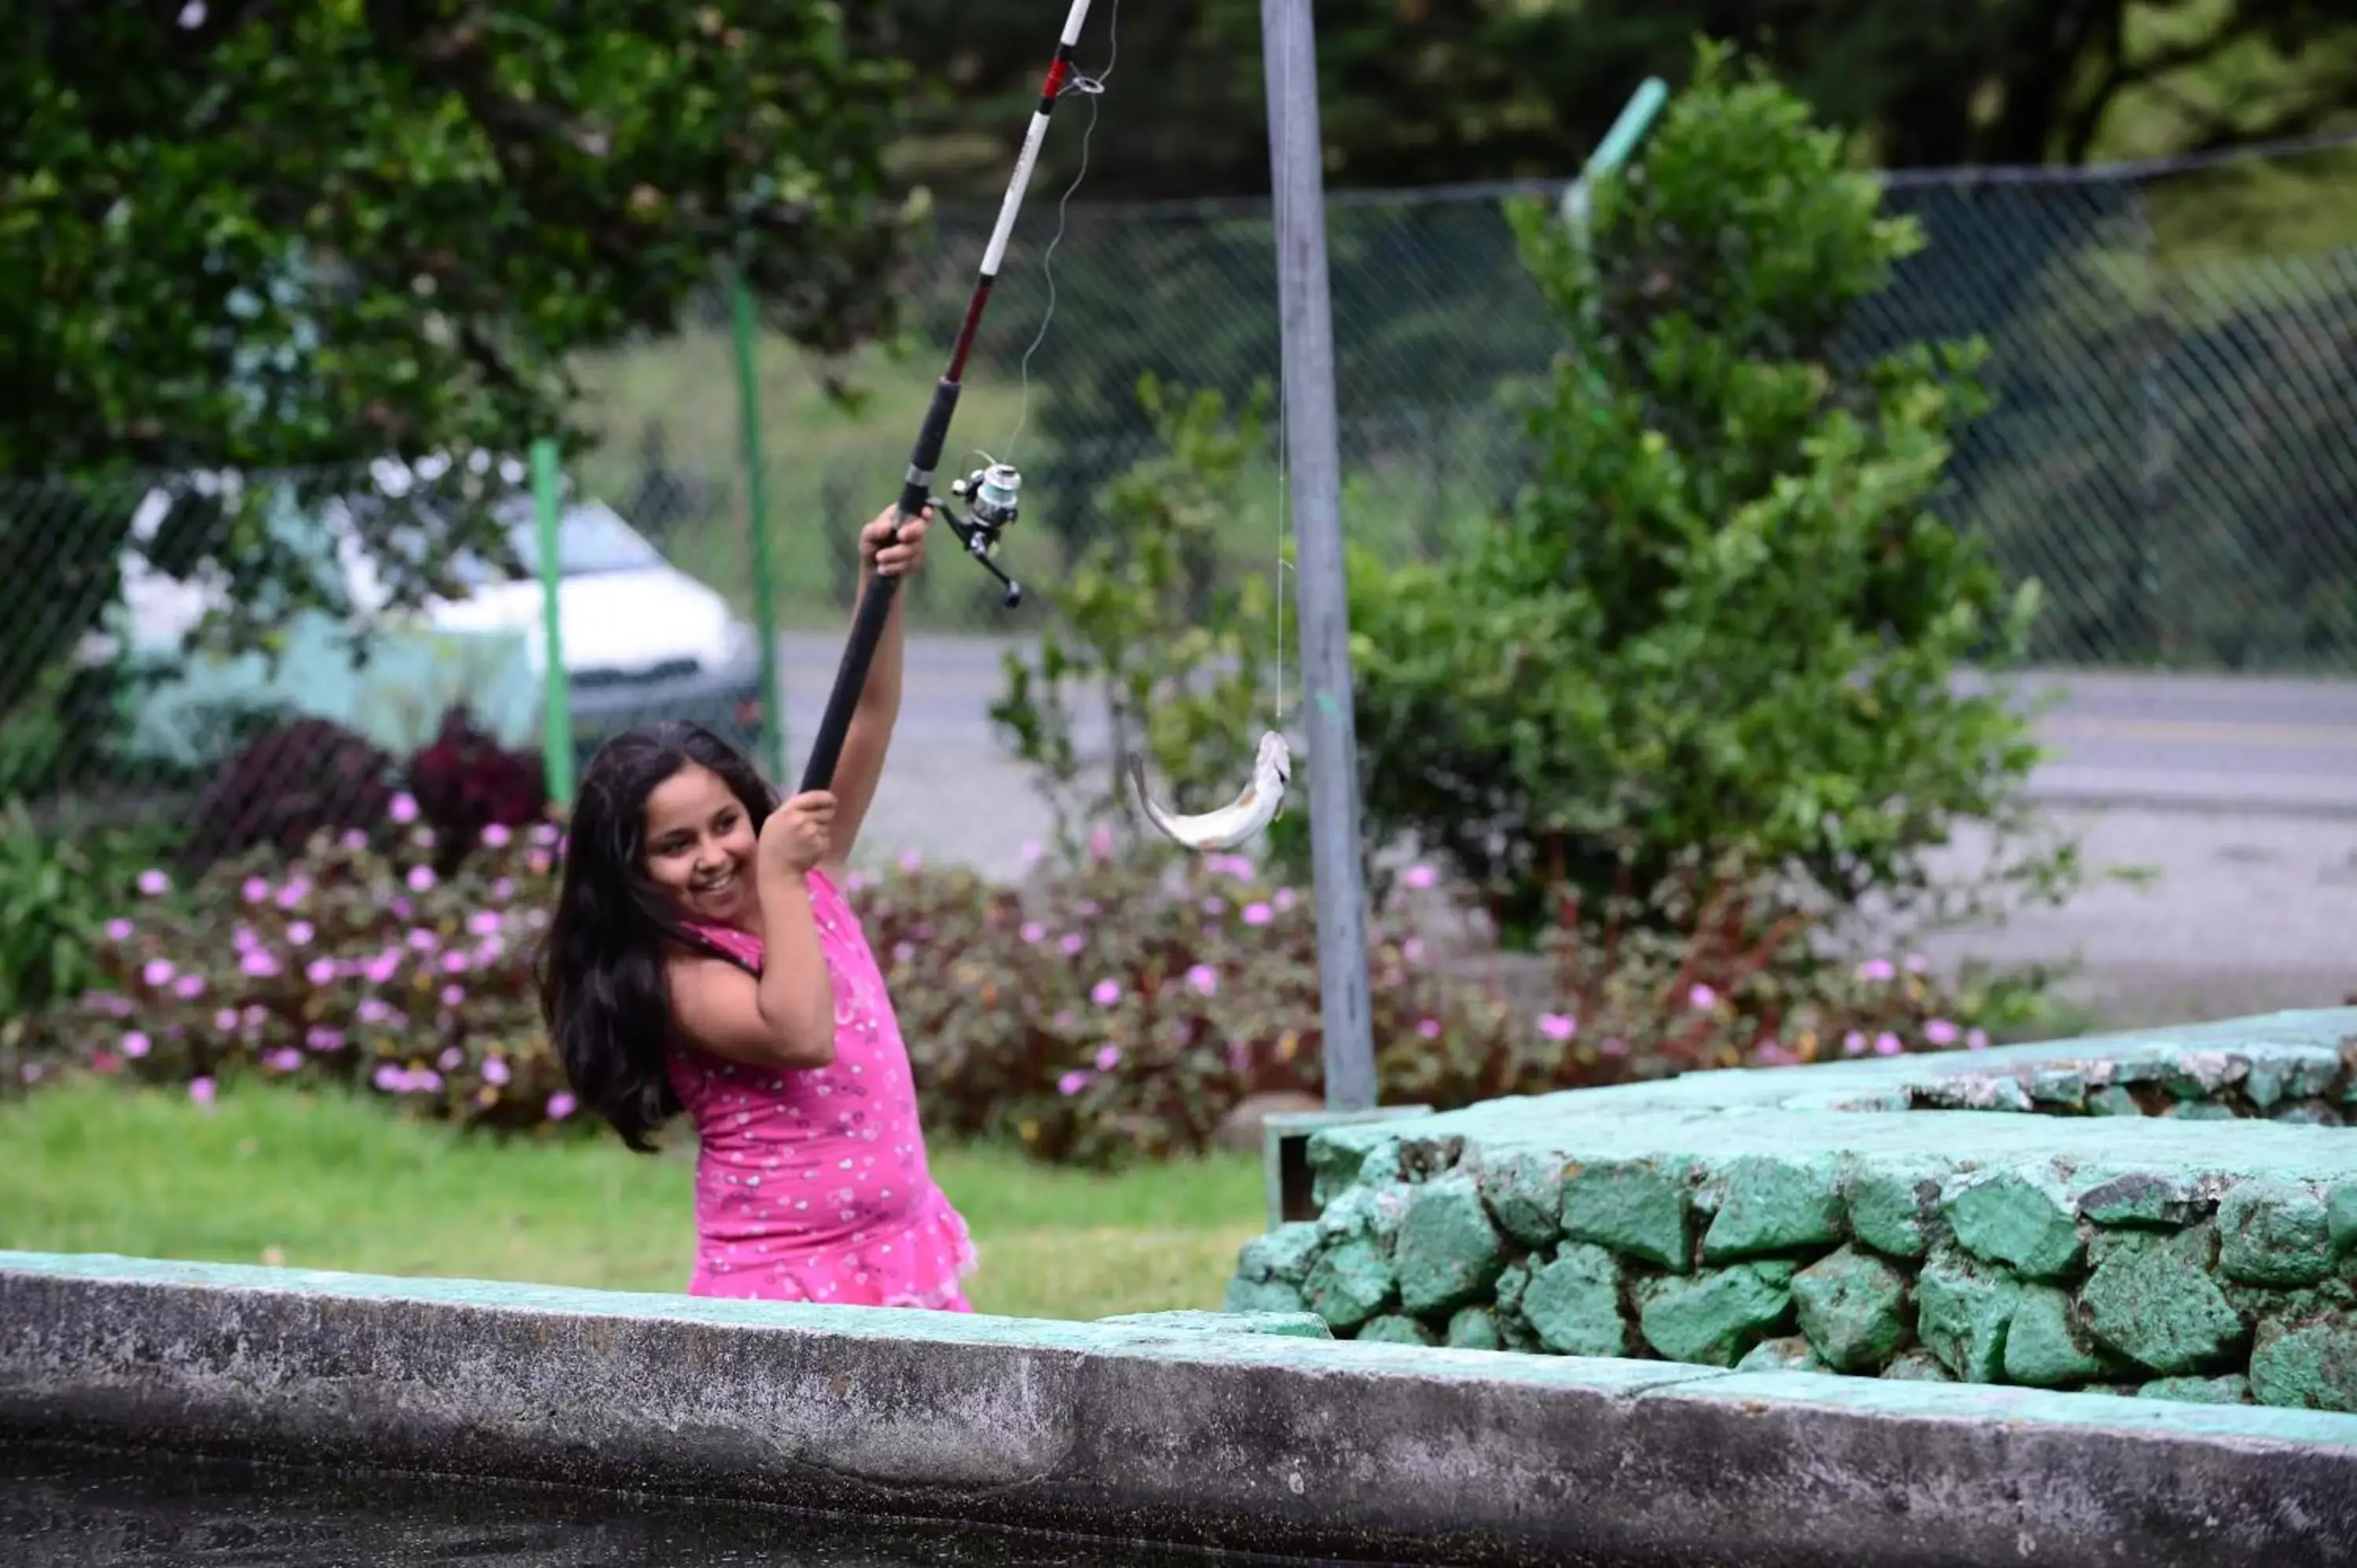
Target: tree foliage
[[288, 240], [1723, 618]]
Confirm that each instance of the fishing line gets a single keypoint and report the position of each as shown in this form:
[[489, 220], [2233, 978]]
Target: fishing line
[[1093, 87]]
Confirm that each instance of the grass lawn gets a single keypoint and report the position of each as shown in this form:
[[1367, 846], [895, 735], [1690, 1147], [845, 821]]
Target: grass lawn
[[332, 1182]]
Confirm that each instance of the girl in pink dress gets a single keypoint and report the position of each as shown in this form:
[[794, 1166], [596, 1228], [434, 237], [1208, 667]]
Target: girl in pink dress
[[703, 958]]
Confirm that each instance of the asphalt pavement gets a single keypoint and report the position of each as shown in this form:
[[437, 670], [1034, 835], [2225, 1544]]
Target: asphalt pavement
[[2239, 794]]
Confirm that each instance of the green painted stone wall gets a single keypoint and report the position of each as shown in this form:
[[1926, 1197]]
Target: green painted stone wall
[[2168, 1214]]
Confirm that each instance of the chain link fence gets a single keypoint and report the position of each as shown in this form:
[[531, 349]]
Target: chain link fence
[[2172, 456]]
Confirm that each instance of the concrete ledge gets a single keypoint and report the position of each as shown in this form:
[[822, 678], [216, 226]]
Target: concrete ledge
[[1244, 1441]]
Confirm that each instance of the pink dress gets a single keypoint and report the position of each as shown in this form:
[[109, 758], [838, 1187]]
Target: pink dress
[[812, 1186]]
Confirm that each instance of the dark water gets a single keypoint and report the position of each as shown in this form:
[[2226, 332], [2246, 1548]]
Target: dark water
[[74, 1507]]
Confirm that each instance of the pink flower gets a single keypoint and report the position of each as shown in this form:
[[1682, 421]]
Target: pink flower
[[226, 1020], [390, 1079], [420, 879], [382, 968], [1428, 1027], [402, 908], [294, 893], [1100, 842], [320, 970], [1917, 963], [1978, 1040], [1203, 979], [244, 939], [1071, 942], [561, 1105], [1072, 1083], [1033, 931], [254, 890], [422, 940], [1108, 1058], [259, 964], [355, 840], [454, 962], [1887, 1044], [1105, 992], [404, 808], [1876, 969], [1257, 914], [1614, 1047], [189, 986], [1773, 1055], [320, 1037], [158, 972], [496, 835], [910, 860], [118, 929], [300, 932], [1420, 876], [453, 995], [1214, 904], [1033, 851], [903, 951], [1411, 949], [495, 1069], [200, 1090], [1940, 1032], [285, 1058], [1285, 899], [373, 1010], [1852, 1044], [1558, 1026], [484, 923], [503, 889], [539, 861], [136, 1044], [1701, 998], [154, 883], [450, 1060]]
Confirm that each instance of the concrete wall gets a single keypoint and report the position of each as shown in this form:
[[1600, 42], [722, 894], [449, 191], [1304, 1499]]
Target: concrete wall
[[1158, 1429]]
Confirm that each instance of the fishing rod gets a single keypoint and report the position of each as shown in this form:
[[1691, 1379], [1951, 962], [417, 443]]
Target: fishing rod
[[993, 492]]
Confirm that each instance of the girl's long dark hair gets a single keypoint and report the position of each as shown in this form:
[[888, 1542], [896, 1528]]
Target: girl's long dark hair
[[603, 993]]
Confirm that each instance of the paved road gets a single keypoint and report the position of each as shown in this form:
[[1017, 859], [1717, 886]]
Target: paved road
[[2241, 794]]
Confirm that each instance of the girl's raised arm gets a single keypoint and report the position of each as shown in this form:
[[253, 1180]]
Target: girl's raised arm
[[785, 1018], [869, 737]]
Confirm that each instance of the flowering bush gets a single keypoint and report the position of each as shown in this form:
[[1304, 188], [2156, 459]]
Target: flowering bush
[[357, 963], [1113, 1007]]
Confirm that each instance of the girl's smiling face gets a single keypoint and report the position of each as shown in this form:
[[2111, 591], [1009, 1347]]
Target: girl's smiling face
[[700, 846]]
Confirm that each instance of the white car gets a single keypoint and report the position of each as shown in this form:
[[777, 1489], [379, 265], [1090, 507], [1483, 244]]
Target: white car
[[642, 639]]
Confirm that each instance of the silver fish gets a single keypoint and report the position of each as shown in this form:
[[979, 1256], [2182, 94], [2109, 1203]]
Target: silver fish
[[1241, 820]]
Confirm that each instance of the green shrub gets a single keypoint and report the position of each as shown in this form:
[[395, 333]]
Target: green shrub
[[1722, 618]]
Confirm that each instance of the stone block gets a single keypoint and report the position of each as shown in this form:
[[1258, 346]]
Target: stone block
[[1350, 1283], [1447, 1252], [2141, 1197], [1894, 1203], [1394, 1329], [1284, 1254], [2232, 1389], [2112, 1099], [1641, 1207], [1524, 1192], [1963, 1308], [2340, 1216], [1775, 1203], [1474, 1328], [1789, 1354], [1283, 1325], [1373, 1212], [1573, 1304], [1852, 1306], [1712, 1319], [2274, 1233], [1918, 1367], [2309, 1364], [2022, 1219], [2044, 1346], [2157, 1304], [1262, 1295]]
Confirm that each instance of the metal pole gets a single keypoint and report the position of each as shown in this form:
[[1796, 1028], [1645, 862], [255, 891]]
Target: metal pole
[[757, 523], [1635, 119], [1313, 458], [556, 729]]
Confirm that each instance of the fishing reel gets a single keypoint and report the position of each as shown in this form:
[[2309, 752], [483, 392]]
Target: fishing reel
[[992, 497]]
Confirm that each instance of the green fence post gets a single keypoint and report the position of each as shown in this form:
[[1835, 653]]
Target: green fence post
[[556, 732], [756, 520], [1636, 117]]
